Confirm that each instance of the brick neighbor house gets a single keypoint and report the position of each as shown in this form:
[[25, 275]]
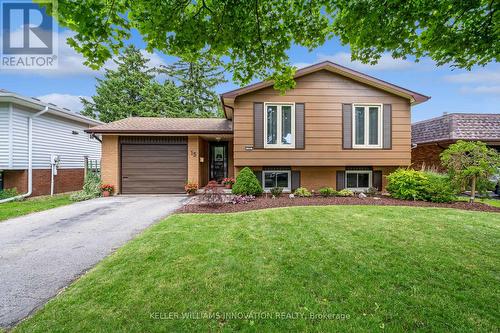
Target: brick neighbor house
[[430, 137]]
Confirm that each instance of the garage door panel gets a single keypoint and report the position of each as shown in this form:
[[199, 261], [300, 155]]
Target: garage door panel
[[156, 178], [155, 159], [154, 174], [153, 168], [143, 148], [151, 152], [152, 165], [153, 190]]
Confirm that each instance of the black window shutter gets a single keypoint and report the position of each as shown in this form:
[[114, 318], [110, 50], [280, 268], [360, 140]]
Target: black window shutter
[[295, 180], [258, 125], [299, 126], [258, 174], [377, 180], [347, 126], [387, 126], [340, 180]]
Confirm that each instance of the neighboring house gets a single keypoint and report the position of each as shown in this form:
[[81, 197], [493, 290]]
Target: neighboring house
[[337, 128], [55, 132], [430, 137]]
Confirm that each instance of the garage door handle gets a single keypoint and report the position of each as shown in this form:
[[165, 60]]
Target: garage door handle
[[124, 177]]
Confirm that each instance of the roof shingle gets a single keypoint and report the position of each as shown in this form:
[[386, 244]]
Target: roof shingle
[[166, 125], [457, 126]]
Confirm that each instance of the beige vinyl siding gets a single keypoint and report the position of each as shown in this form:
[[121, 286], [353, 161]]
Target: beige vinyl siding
[[323, 94]]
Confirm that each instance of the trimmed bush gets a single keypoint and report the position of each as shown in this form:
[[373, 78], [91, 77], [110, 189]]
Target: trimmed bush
[[439, 188], [246, 183], [410, 184], [302, 192], [276, 191], [407, 184], [345, 193], [327, 192]]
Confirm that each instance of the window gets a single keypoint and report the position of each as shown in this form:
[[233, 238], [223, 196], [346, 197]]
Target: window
[[279, 127], [358, 180], [276, 178], [367, 126]]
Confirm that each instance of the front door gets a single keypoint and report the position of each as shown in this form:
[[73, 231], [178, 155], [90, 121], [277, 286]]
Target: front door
[[218, 161]]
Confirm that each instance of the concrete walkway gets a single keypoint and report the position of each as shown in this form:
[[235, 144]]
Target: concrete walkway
[[43, 252]]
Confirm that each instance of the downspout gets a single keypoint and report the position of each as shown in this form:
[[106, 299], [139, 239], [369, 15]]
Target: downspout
[[30, 157]]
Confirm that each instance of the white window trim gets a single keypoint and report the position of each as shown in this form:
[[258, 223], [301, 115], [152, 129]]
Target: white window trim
[[359, 189], [367, 125], [278, 143], [285, 189]]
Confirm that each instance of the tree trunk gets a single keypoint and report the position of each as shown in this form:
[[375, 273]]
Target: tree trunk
[[473, 189]]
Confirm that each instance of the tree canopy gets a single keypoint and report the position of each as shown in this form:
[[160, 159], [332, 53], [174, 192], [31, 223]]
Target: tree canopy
[[132, 90], [470, 163], [197, 80], [253, 36]]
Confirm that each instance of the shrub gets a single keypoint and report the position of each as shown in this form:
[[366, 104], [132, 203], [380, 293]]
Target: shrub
[[191, 187], [276, 191], [8, 193], [302, 192], [327, 192], [439, 188], [242, 199], [407, 184], [91, 188], [420, 185], [246, 183], [371, 191], [212, 194], [345, 193]]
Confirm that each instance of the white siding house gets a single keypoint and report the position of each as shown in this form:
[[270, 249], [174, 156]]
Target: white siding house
[[58, 131]]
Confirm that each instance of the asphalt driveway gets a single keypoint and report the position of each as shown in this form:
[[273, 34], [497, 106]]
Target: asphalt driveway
[[43, 252]]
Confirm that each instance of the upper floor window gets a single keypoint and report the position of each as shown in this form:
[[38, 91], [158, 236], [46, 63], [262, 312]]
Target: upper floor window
[[367, 126], [279, 126]]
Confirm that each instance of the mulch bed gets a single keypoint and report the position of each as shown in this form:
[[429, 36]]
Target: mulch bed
[[262, 203]]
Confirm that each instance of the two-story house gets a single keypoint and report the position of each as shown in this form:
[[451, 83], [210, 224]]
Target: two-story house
[[337, 127]]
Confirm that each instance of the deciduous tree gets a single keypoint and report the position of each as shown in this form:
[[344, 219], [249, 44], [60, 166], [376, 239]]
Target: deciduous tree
[[470, 162], [253, 36]]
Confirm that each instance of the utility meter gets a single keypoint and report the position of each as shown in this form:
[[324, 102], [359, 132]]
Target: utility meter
[[54, 162]]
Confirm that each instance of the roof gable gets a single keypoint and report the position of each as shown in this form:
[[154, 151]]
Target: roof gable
[[414, 97]]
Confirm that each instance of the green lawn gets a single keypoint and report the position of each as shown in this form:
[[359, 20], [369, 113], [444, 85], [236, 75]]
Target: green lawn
[[17, 208], [491, 202], [386, 268]]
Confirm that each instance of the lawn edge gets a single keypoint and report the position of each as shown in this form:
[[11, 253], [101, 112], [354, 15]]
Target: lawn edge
[[178, 212]]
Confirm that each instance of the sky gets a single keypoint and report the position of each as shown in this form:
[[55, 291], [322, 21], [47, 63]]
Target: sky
[[451, 89]]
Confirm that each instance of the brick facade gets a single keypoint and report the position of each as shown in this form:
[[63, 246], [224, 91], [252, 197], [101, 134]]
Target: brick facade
[[314, 178], [110, 161], [67, 180], [427, 155]]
